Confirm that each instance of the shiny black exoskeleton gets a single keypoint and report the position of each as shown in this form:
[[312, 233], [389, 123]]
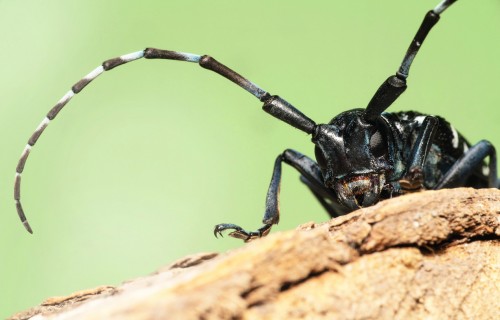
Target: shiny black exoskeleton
[[364, 162], [363, 156], [361, 161], [367, 155]]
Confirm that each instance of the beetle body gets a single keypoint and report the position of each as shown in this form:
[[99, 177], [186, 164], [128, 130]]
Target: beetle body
[[448, 146]]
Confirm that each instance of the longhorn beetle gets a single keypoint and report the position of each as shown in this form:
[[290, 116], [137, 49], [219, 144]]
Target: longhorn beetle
[[363, 155]]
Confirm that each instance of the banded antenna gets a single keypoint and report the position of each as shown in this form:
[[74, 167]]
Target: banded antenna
[[273, 105]]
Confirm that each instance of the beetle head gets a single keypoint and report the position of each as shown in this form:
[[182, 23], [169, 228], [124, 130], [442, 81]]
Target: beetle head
[[354, 157]]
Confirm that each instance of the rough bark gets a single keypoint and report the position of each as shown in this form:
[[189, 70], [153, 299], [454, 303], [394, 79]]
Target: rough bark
[[429, 255]]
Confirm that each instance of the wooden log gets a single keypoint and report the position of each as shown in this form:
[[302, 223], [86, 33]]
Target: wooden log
[[428, 255]]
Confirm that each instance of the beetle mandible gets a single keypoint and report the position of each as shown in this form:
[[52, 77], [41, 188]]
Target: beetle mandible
[[363, 156]]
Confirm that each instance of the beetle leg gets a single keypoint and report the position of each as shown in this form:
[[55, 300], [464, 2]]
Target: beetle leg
[[271, 215], [305, 165], [466, 165], [413, 180]]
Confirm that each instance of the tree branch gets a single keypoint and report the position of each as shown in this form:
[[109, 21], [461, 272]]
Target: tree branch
[[432, 255]]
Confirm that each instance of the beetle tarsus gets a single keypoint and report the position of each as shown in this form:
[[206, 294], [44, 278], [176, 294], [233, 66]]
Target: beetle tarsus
[[240, 233]]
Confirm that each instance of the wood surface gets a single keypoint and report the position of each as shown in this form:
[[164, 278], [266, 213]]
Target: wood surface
[[427, 255]]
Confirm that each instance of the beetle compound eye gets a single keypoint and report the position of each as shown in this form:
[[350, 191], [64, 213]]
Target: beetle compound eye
[[377, 144]]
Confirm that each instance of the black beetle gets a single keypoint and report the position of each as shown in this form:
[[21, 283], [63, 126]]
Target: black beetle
[[363, 155]]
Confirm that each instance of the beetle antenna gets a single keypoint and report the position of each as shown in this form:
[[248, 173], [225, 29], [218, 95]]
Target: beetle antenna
[[273, 105], [395, 85]]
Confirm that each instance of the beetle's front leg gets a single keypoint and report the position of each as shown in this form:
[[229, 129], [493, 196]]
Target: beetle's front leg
[[413, 179], [271, 216], [306, 166]]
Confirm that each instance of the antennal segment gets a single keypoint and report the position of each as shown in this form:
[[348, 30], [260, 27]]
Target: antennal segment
[[76, 88], [395, 85], [274, 105]]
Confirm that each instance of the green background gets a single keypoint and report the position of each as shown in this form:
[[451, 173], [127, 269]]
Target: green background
[[140, 166]]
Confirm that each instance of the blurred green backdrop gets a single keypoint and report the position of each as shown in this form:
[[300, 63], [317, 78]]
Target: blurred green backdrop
[[139, 167]]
